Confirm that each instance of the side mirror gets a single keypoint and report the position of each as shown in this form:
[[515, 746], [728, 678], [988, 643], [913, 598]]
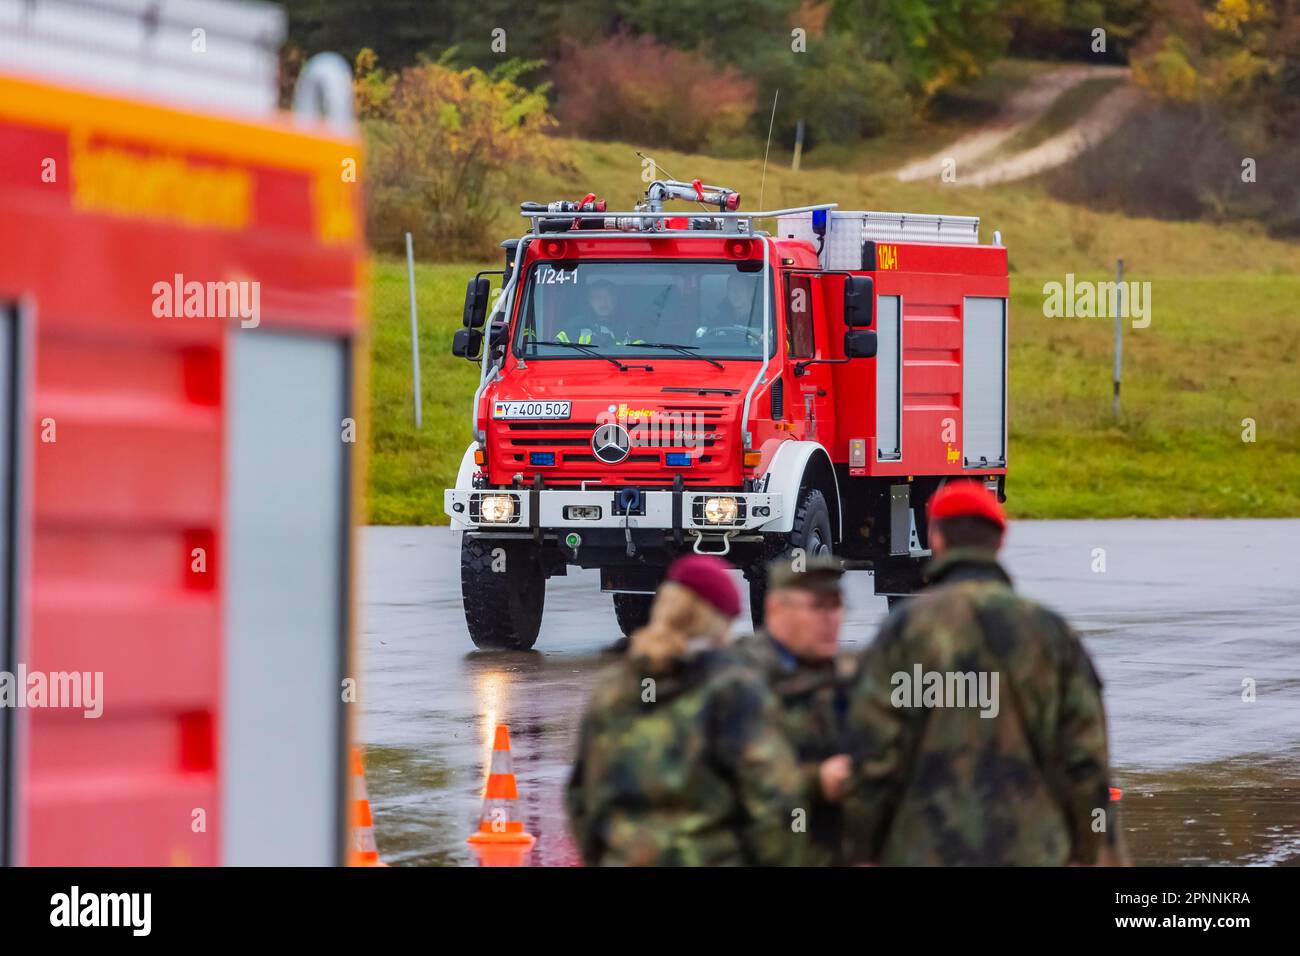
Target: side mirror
[[467, 344], [859, 302], [477, 293], [498, 334], [860, 343]]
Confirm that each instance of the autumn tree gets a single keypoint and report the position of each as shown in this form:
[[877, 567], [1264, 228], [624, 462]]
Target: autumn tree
[[442, 144], [1240, 55]]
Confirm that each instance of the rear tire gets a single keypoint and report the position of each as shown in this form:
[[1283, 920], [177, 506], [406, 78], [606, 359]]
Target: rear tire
[[811, 532], [503, 603], [632, 611]]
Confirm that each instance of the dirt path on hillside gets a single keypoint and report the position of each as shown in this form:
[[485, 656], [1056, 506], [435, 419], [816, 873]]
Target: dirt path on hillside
[[1022, 111]]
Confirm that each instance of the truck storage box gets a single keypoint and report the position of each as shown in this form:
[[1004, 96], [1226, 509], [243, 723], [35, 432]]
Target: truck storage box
[[847, 231]]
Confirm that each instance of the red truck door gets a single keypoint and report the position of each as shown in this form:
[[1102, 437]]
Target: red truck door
[[809, 339]]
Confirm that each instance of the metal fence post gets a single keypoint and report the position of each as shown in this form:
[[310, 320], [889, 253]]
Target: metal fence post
[[415, 331], [1119, 333]]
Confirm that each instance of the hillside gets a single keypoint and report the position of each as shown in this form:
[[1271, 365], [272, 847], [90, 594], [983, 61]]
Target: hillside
[[1223, 344]]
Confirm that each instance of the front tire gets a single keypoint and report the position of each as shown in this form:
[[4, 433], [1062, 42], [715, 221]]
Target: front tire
[[632, 611], [811, 532], [503, 587]]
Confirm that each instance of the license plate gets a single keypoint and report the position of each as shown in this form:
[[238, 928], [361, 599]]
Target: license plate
[[514, 410]]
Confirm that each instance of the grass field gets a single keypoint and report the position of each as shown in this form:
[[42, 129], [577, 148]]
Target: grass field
[[1219, 349], [409, 468], [1223, 345]]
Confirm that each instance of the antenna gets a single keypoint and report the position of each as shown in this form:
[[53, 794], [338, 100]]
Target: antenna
[[771, 123], [654, 162]]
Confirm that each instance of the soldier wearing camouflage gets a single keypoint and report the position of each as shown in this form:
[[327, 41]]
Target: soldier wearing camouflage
[[680, 760], [977, 728], [798, 655]]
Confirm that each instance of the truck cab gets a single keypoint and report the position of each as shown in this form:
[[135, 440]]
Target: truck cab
[[656, 384]]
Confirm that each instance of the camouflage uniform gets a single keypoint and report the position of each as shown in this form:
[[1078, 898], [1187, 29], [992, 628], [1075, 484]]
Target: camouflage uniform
[[814, 698], [945, 786], [701, 776]]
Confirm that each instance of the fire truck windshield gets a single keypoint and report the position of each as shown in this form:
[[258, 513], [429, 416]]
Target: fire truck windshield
[[669, 310]]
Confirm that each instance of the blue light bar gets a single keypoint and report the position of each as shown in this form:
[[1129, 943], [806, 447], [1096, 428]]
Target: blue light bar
[[541, 458], [819, 219], [677, 459]]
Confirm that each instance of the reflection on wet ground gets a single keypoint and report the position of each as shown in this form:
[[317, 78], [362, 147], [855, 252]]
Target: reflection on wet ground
[[1239, 811], [1189, 620], [434, 809]]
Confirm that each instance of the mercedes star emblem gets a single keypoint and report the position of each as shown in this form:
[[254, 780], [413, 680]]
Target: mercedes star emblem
[[611, 443]]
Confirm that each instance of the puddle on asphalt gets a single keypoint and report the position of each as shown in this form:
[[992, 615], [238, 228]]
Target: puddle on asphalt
[[412, 829], [1239, 811], [1235, 812]]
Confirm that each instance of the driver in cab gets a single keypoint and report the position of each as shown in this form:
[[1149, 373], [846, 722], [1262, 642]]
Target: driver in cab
[[602, 323], [736, 311]]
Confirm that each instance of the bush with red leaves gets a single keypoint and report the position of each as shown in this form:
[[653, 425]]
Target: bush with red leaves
[[635, 89]]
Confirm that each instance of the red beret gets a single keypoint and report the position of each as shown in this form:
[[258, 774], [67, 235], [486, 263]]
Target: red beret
[[966, 499], [707, 576]]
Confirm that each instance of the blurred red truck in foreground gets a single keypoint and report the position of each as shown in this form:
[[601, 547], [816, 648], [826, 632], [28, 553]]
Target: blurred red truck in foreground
[[181, 276]]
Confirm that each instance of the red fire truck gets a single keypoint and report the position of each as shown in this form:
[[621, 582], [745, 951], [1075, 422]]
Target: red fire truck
[[656, 382], [181, 268]]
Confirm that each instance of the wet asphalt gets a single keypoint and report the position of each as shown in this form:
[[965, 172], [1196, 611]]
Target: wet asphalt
[[1185, 619]]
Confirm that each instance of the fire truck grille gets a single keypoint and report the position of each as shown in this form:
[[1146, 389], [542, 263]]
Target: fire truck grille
[[685, 440]]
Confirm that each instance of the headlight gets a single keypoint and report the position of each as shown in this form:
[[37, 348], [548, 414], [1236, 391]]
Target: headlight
[[720, 510], [496, 509]]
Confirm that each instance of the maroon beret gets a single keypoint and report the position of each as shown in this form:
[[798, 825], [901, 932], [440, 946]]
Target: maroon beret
[[707, 576]]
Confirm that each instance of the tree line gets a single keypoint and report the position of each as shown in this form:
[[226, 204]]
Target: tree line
[[456, 93]]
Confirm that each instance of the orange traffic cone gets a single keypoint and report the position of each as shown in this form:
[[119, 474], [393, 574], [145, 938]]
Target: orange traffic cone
[[497, 823], [362, 850], [501, 854]]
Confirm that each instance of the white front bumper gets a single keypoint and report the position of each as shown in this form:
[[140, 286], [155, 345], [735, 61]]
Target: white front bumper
[[461, 507]]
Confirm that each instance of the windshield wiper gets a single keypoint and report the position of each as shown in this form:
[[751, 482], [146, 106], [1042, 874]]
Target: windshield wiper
[[684, 349], [588, 350]]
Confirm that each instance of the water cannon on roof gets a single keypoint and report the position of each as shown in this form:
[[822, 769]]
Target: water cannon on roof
[[661, 190]]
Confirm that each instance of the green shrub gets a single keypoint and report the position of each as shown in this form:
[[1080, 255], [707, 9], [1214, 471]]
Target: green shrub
[[843, 97]]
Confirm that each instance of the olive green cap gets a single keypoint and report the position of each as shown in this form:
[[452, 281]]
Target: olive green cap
[[818, 572]]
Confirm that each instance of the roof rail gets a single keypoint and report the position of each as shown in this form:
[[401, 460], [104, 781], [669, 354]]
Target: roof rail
[[643, 221]]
